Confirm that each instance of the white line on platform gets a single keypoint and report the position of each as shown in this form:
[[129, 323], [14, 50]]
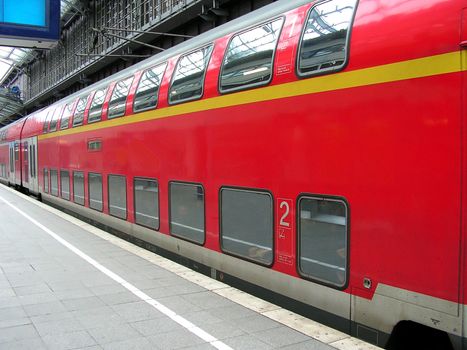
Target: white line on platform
[[143, 296]]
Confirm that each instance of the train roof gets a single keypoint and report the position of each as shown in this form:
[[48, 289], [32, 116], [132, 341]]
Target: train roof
[[254, 17]]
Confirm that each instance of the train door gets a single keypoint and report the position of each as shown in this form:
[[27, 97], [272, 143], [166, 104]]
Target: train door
[[33, 183], [25, 164], [11, 162]]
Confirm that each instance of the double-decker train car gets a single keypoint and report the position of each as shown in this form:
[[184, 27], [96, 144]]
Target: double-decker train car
[[313, 152]]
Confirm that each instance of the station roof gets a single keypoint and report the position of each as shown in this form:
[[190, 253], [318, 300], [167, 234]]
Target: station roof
[[13, 57]]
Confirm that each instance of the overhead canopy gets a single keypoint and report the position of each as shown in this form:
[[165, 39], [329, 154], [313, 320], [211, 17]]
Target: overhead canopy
[[12, 58]]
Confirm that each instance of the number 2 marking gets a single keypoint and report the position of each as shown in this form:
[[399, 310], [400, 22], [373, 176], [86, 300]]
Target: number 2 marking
[[282, 222]]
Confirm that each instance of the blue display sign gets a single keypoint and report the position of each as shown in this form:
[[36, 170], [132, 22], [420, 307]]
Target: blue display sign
[[29, 23], [23, 12]]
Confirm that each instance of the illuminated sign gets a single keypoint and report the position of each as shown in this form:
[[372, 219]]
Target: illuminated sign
[[29, 23]]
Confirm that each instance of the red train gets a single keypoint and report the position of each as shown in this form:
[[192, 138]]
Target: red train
[[314, 152]]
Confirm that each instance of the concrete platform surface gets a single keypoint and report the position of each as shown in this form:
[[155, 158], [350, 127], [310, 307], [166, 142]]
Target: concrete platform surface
[[67, 285]]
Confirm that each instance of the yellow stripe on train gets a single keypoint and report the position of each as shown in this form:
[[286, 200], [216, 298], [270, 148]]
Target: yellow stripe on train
[[418, 68]]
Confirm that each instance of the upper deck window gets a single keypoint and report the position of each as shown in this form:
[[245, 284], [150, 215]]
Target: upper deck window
[[45, 127], [118, 100], [55, 118], [324, 43], [249, 57], [79, 113], [66, 116], [188, 80], [95, 111], [147, 94]]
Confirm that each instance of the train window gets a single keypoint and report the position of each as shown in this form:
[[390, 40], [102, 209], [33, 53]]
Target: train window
[[146, 203], [66, 116], [54, 182], [187, 211], [147, 93], [322, 240], [95, 111], [247, 224], [248, 60], [46, 181], [45, 127], [117, 102], [324, 42], [65, 184], [79, 112], [117, 196], [55, 118], [95, 191], [188, 80], [78, 187]]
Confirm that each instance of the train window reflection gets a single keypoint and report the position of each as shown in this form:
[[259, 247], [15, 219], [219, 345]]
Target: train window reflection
[[325, 38], [322, 240], [188, 81], [78, 187], [95, 111], [65, 184], [55, 118], [187, 211], [147, 203], [66, 116], [79, 113], [54, 182], [247, 224], [249, 57], [95, 191], [147, 94], [118, 100], [117, 196], [46, 180]]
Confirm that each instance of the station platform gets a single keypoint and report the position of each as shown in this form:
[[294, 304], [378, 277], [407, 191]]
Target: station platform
[[65, 284]]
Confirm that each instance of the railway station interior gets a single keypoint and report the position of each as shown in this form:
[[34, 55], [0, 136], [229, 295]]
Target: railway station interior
[[233, 174]]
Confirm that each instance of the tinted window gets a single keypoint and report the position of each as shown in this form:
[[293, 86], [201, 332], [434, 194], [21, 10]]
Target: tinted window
[[187, 211], [78, 187], [324, 40], [79, 112], [147, 203], [46, 181], [95, 191], [117, 196], [45, 127], [55, 118], [249, 58], [148, 89], [95, 111], [66, 116], [322, 240], [118, 100], [54, 182], [188, 81], [247, 224], [65, 184]]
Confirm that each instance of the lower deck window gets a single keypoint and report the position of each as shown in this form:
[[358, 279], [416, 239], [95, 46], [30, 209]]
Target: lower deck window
[[322, 240], [117, 196], [147, 203], [46, 180], [54, 182], [247, 224], [95, 191], [65, 184], [187, 211], [78, 187]]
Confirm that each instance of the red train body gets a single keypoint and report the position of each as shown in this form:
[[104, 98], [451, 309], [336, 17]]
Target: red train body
[[385, 136]]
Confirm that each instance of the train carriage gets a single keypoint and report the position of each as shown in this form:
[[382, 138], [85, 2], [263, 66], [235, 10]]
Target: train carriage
[[311, 151]]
